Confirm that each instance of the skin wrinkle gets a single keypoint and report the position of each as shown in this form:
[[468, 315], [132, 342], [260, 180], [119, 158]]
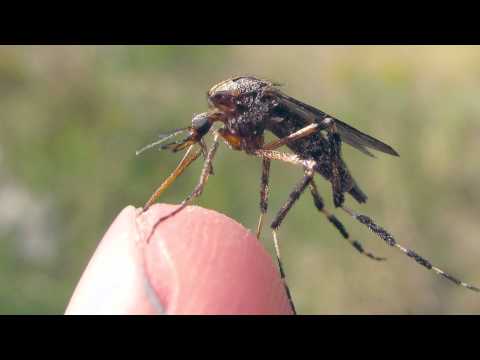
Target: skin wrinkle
[[152, 295], [174, 290], [142, 223]]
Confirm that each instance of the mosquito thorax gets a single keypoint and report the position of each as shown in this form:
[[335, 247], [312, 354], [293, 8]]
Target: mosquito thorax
[[226, 94]]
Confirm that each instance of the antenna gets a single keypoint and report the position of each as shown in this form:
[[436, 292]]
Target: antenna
[[163, 138]]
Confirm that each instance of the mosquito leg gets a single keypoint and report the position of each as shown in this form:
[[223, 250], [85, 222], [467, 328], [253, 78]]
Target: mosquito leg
[[320, 205], [293, 197], [264, 189], [203, 145], [307, 130], [201, 182], [284, 157], [190, 156], [207, 168], [340, 177], [282, 273], [266, 167], [388, 238]]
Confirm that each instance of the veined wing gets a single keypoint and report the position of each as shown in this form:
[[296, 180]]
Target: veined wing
[[348, 134]]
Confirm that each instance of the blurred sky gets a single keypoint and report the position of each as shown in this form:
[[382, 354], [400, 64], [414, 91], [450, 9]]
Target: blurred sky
[[73, 116]]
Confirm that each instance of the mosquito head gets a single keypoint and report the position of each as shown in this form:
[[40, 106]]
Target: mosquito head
[[222, 96], [201, 125]]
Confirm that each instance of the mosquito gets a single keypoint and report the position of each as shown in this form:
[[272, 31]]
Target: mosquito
[[246, 107]]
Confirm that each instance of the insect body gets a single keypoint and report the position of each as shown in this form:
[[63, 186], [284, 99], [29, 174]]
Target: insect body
[[246, 107]]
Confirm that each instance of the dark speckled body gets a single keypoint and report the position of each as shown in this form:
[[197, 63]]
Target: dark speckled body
[[251, 111]]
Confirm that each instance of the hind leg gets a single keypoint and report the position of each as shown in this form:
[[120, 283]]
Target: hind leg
[[293, 197], [320, 205], [389, 239]]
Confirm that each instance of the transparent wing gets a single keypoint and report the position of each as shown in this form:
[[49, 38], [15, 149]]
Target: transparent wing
[[349, 134], [358, 139]]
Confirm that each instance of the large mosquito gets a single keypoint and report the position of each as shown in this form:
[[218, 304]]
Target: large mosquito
[[246, 107]]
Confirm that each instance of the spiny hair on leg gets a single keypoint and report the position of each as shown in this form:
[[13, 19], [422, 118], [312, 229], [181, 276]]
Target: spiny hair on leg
[[319, 204], [389, 239]]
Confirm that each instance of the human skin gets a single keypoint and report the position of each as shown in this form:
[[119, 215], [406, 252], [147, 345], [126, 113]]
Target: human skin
[[196, 262]]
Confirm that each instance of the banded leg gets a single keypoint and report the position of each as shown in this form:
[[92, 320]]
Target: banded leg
[[266, 166], [340, 178], [293, 197], [320, 205], [388, 238], [282, 272], [203, 145], [207, 166], [264, 189]]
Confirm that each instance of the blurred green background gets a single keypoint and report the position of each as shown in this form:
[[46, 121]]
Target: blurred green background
[[72, 117]]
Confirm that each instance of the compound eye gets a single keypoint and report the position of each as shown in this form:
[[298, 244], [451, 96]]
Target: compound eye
[[219, 97], [222, 96]]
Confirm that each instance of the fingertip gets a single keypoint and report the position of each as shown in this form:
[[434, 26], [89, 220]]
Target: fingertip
[[197, 262], [203, 262]]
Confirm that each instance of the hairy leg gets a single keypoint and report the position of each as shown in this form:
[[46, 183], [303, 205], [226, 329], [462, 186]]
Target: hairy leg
[[293, 197], [388, 238], [264, 189], [320, 205]]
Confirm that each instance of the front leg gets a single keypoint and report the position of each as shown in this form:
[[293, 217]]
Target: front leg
[[203, 145], [206, 171]]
